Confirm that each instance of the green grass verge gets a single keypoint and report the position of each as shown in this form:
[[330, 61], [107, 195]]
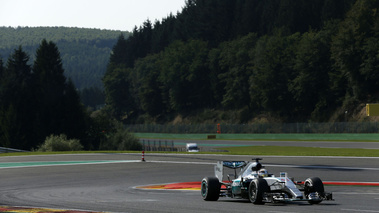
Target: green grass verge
[[247, 150], [257, 150], [62, 153], [281, 150], [372, 137], [301, 151]]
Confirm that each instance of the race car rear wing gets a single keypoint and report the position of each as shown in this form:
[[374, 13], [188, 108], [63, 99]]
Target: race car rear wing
[[219, 168]]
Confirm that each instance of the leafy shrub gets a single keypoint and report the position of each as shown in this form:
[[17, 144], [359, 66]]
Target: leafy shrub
[[121, 139], [60, 143]]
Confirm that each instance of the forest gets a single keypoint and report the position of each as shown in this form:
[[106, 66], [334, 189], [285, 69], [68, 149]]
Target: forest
[[291, 60], [38, 103], [37, 100], [84, 52], [286, 60]]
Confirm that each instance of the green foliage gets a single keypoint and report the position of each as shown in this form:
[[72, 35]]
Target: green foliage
[[184, 75], [354, 58], [273, 69], [38, 101], [235, 63], [85, 52], [118, 54], [92, 97], [105, 133], [293, 60], [313, 67], [121, 139], [145, 74], [59, 108], [160, 83], [252, 55], [119, 99], [101, 125], [58, 143], [1, 67], [16, 100]]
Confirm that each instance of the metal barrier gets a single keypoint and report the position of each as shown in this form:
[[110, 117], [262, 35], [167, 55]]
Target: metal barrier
[[158, 145], [10, 150]]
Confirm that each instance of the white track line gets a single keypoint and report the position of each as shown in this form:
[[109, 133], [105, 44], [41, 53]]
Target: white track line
[[359, 210]]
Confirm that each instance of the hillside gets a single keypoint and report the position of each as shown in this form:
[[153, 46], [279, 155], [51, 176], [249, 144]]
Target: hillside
[[84, 52], [288, 60]]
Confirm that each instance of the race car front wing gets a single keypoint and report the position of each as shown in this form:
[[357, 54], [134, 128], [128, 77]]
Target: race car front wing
[[272, 197]]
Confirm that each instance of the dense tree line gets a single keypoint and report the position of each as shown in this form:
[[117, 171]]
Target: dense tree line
[[84, 52], [218, 21], [296, 60], [38, 102]]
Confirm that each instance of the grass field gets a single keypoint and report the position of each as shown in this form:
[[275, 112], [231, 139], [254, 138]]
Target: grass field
[[301, 151], [247, 150], [282, 150], [259, 150], [373, 137]]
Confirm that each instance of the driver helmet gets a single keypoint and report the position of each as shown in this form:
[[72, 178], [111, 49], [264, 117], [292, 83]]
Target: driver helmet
[[263, 173]]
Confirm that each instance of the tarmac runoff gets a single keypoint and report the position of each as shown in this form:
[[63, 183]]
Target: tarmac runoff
[[10, 209], [194, 186], [169, 186]]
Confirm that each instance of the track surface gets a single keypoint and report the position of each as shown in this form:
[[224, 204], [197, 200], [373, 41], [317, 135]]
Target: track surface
[[111, 187]]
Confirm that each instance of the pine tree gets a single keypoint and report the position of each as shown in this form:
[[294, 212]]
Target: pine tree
[[119, 55], [75, 118], [48, 71], [1, 68], [117, 84], [60, 110], [16, 105]]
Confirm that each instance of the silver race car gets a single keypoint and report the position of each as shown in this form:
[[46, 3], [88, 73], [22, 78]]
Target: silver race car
[[253, 182]]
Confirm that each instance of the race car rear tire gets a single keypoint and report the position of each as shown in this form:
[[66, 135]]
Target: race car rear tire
[[257, 188], [311, 185], [210, 188]]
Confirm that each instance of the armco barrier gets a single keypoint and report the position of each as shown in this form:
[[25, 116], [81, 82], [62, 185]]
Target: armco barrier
[[158, 145], [9, 150]]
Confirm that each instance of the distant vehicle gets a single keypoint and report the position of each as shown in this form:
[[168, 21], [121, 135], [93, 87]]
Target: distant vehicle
[[254, 183], [192, 147]]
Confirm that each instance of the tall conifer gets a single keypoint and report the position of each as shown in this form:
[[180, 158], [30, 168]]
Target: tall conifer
[[1, 67], [16, 106], [60, 111], [49, 77]]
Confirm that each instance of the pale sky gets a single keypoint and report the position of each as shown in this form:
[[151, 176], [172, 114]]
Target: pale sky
[[101, 14]]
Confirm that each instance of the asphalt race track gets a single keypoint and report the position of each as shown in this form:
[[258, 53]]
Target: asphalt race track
[[107, 182]]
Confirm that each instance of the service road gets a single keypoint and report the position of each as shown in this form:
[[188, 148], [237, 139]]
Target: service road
[[206, 144], [106, 182]]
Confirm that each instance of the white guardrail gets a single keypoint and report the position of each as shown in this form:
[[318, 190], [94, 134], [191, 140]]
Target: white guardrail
[[9, 150]]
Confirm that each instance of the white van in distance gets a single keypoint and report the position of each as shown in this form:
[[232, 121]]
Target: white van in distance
[[192, 147]]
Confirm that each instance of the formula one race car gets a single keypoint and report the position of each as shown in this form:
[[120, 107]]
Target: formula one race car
[[254, 183]]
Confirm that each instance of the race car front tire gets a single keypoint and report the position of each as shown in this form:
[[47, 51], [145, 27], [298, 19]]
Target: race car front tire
[[210, 188], [311, 185], [257, 188]]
